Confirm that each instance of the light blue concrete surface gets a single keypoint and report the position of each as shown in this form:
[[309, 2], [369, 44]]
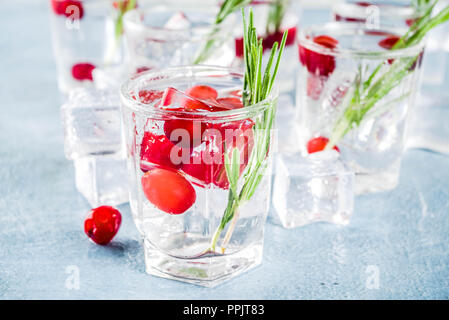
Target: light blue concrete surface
[[402, 235]]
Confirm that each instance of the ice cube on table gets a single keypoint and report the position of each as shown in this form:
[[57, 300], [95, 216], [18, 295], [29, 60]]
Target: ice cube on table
[[92, 123], [427, 127], [315, 188], [102, 180], [285, 126], [177, 21]]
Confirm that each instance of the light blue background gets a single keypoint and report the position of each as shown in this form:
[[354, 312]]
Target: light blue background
[[404, 234]]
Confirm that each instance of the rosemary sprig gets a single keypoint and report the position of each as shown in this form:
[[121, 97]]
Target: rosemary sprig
[[276, 15], [123, 6], [256, 88], [367, 94], [227, 7]]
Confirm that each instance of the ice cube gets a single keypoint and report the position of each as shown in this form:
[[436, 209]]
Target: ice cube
[[177, 21], [109, 78], [315, 188], [175, 99], [102, 180], [92, 123]]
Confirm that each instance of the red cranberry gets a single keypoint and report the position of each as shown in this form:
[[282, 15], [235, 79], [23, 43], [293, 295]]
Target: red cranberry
[[388, 42], [318, 63], [83, 71], [102, 224], [318, 144], [68, 8], [168, 190]]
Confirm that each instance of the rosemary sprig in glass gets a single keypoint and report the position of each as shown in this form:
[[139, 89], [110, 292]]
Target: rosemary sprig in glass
[[256, 88], [123, 6], [276, 15], [366, 94], [227, 7]]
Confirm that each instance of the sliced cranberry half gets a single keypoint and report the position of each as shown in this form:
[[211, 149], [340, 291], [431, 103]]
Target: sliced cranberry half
[[102, 224]]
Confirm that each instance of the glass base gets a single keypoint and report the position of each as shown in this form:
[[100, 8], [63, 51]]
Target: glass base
[[305, 218], [376, 182], [208, 270]]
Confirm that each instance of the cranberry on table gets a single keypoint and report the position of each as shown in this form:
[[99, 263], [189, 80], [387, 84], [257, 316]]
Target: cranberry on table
[[83, 71], [318, 144], [168, 190], [102, 224]]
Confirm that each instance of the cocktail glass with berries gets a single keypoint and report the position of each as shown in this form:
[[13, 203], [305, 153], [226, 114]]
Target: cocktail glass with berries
[[164, 36], [354, 92], [85, 35], [272, 18], [190, 145]]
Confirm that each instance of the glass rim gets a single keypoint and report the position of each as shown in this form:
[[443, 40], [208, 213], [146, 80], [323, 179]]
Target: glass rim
[[356, 29], [147, 110], [385, 9], [131, 22]]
